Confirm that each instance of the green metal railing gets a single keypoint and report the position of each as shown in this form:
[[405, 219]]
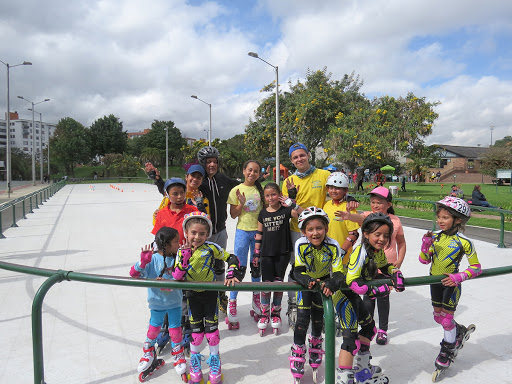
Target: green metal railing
[[39, 197], [57, 276], [501, 212]]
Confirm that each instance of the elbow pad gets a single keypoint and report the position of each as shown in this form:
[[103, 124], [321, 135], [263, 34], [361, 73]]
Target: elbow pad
[[359, 289], [179, 274], [423, 260]]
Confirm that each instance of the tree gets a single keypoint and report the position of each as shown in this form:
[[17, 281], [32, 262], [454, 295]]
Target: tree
[[189, 152], [70, 144], [155, 138], [497, 157], [233, 155], [306, 113], [117, 164], [422, 158], [107, 136], [21, 164]]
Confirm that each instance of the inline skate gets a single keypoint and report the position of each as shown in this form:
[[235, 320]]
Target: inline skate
[[366, 373], [232, 319], [275, 319], [315, 355], [149, 362], [291, 312], [297, 360], [264, 319], [180, 364]]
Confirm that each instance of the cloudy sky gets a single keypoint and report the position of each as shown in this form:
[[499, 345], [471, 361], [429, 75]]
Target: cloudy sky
[[142, 60]]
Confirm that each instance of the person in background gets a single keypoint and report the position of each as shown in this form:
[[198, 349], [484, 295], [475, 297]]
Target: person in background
[[478, 198], [456, 192]]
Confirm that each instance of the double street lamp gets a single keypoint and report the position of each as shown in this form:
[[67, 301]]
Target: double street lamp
[[8, 128], [278, 165], [210, 135], [41, 145], [33, 137]]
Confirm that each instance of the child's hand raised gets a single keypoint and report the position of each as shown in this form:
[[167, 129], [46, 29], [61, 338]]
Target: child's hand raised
[[241, 197], [146, 255], [343, 215]]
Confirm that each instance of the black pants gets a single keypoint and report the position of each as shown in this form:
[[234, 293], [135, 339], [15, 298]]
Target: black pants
[[382, 308]]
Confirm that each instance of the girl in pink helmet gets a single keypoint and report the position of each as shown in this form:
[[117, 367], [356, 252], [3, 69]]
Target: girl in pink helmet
[[382, 201]]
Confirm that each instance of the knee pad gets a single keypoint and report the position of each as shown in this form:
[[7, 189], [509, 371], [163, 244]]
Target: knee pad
[[197, 338], [152, 332], [350, 342], [210, 327], [241, 272], [175, 334], [213, 338], [437, 317], [256, 271], [368, 330], [447, 321]]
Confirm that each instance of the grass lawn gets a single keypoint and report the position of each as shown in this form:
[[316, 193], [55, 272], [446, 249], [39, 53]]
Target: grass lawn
[[418, 192]]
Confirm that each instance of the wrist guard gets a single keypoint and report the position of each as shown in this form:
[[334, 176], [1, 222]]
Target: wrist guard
[[186, 254], [292, 193], [380, 291], [398, 281]]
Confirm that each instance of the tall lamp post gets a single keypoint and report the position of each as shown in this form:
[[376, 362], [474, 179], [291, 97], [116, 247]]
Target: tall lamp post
[[166, 153], [492, 129], [210, 135], [278, 165], [33, 137], [40, 144], [8, 126]]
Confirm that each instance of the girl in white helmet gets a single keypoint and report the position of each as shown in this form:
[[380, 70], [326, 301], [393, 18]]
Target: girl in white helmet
[[318, 263], [445, 249]]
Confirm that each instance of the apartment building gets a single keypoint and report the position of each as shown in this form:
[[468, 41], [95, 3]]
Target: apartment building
[[20, 134]]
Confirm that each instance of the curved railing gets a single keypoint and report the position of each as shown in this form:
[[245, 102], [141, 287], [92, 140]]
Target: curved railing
[[57, 276], [35, 199]]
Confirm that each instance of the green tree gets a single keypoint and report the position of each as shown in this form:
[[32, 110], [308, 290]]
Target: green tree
[[189, 152], [70, 144], [155, 138], [233, 155], [421, 158], [497, 157], [107, 136], [21, 164]]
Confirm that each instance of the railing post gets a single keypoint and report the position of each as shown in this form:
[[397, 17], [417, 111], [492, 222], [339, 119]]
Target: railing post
[[23, 209], [14, 225], [330, 339], [1, 234], [37, 326], [40, 197], [31, 211], [37, 205], [502, 231]]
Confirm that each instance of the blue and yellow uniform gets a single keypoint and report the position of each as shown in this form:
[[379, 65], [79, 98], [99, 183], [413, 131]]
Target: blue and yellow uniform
[[446, 253], [325, 264]]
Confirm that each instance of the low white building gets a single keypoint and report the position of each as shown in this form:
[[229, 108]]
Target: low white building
[[20, 134]]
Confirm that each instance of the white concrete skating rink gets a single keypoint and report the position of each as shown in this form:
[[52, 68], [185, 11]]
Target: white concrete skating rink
[[93, 333]]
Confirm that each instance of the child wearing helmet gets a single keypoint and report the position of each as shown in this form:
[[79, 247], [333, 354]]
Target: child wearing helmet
[[318, 266], [345, 232], [444, 249], [173, 214], [364, 262], [382, 201], [195, 262], [159, 264]]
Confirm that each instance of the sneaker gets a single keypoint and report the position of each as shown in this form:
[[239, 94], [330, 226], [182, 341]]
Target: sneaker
[[382, 337]]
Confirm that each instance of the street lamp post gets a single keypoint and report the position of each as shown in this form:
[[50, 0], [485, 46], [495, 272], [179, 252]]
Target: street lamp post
[[492, 129], [278, 164], [8, 127], [210, 135], [40, 144], [33, 137], [166, 153]]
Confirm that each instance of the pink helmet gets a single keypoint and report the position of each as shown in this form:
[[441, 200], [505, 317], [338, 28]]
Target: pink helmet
[[382, 192], [198, 215], [457, 204]]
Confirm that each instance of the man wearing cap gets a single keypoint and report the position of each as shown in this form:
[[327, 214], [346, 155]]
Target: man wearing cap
[[307, 187]]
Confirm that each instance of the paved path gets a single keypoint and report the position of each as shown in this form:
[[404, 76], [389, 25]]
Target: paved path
[[94, 333]]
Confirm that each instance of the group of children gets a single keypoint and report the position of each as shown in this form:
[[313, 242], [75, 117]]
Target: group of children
[[326, 261]]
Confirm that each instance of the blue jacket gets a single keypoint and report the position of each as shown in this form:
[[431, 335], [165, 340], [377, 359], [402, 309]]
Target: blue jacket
[[160, 299]]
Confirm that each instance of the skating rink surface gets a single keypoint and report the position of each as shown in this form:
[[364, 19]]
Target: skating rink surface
[[93, 333]]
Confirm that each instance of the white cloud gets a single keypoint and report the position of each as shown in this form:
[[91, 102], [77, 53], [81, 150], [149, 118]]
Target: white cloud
[[142, 61]]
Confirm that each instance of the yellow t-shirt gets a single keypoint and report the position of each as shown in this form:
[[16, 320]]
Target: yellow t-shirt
[[338, 230], [311, 191], [248, 219]]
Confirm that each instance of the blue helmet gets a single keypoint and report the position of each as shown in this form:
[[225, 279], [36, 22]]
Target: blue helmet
[[174, 181]]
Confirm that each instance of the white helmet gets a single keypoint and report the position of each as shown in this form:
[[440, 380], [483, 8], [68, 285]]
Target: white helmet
[[338, 179], [457, 204], [198, 215], [311, 212]]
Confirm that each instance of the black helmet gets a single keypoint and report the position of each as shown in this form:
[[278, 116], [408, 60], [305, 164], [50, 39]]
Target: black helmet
[[163, 236], [378, 217], [206, 153]]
